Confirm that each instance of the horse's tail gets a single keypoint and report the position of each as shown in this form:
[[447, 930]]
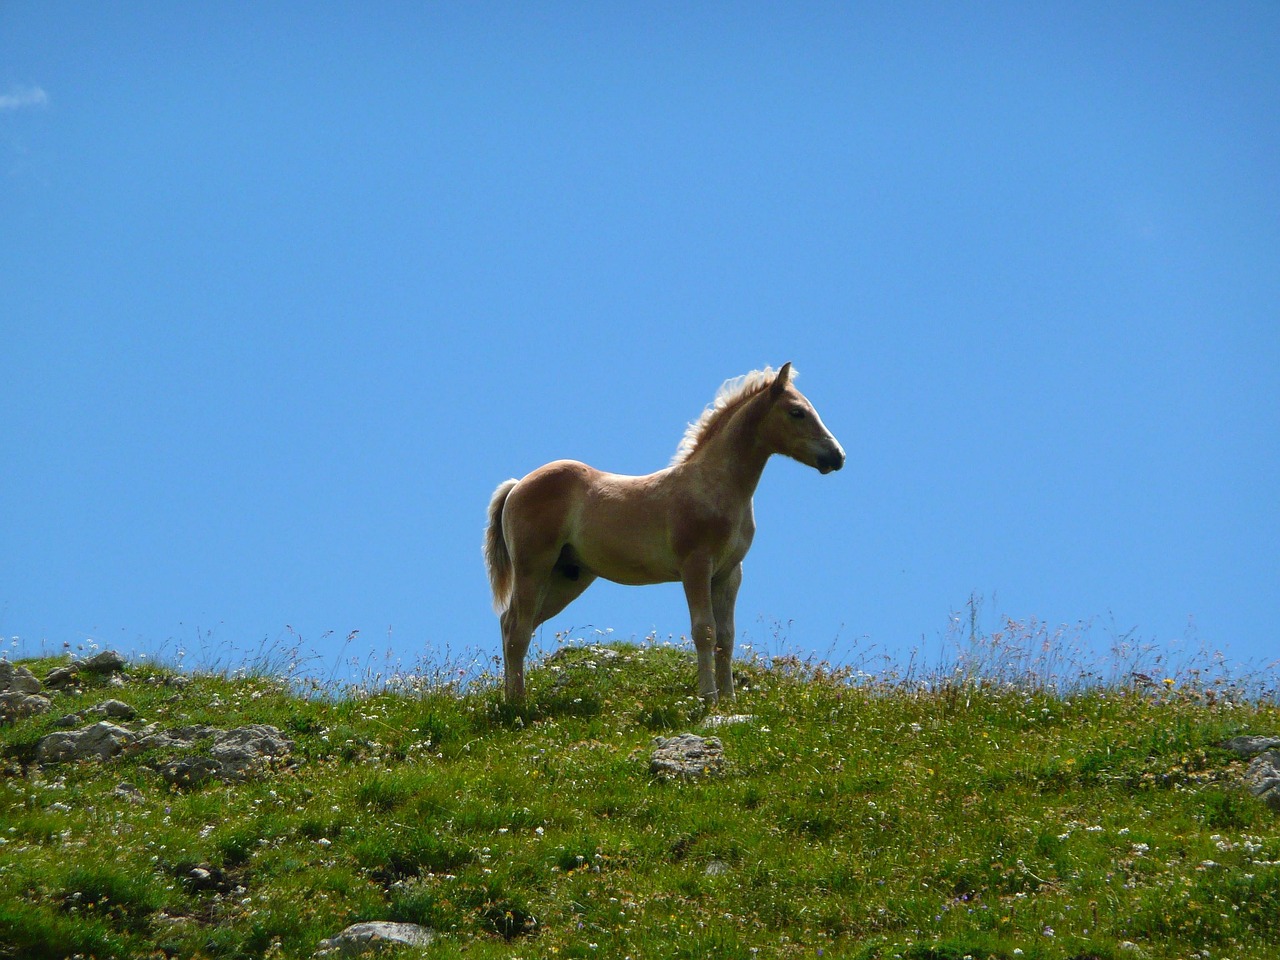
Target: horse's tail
[[497, 558]]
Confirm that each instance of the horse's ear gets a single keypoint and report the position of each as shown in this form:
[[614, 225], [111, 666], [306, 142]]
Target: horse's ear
[[781, 380]]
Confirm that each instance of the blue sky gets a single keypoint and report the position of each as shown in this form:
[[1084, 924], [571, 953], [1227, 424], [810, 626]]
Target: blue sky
[[288, 290]]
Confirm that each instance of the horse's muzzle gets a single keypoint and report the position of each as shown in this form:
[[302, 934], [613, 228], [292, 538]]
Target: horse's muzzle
[[830, 461]]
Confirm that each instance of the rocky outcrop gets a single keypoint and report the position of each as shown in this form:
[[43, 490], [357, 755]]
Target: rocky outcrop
[[208, 753], [686, 755], [203, 753]]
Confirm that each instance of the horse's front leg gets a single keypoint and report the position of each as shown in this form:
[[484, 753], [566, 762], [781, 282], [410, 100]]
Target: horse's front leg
[[724, 594], [696, 576]]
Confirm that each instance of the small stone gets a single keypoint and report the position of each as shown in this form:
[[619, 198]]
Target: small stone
[[202, 878], [127, 791], [363, 938], [715, 868], [686, 755], [113, 709]]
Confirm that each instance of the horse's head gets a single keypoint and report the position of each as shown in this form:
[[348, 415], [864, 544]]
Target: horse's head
[[792, 427]]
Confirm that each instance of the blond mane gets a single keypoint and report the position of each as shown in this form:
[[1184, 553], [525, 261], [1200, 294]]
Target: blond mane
[[731, 395]]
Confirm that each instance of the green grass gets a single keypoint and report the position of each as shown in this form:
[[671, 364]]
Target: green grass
[[926, 821]]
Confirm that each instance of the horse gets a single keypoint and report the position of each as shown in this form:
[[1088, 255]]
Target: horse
[[551, 533]]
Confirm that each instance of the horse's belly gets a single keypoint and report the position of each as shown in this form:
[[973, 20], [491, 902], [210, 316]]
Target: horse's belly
[[630, 567]]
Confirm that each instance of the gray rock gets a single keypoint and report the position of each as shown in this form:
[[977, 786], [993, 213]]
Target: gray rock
[[106, 662], [1263, 778], [1250, 746], [17, 679], [112, 709], [686, 755], [364, 938], [60, 677], [19, 693], [15, 704], [101, 741], [108, 709]]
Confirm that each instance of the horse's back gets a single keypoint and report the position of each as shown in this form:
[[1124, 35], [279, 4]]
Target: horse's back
[[557, 479]]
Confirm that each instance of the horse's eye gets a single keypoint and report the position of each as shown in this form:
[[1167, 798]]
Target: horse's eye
[[797, 413]]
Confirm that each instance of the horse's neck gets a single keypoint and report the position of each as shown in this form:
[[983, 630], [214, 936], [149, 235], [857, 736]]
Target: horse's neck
[[733, 460]]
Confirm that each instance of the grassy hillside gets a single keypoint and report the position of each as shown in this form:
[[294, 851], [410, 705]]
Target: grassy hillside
[[926, 821]]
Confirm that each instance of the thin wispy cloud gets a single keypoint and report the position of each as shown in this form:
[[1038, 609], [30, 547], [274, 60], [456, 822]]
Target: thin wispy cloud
[[18, 98]]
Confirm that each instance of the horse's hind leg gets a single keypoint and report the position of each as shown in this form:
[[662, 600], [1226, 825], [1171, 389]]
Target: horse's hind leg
[[534, 601], [517, 631]]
